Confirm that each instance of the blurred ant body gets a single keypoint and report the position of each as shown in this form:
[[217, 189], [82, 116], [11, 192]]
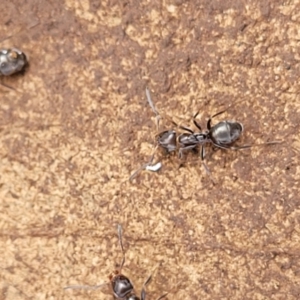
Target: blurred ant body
[[121, 285], [11, 61]]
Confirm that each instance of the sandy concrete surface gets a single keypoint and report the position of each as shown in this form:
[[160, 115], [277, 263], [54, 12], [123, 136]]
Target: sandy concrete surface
[[76, 124]]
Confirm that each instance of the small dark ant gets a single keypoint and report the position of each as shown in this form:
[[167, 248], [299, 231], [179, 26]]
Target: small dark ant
[[121, 285], [11, 61], [222, 135]]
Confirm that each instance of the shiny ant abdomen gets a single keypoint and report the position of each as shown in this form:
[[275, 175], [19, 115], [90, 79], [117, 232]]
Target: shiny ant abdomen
[[11, 61]]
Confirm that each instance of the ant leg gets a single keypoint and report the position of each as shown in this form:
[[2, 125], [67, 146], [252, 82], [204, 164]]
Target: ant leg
[[246, 146], [180, 126], [269, 143], [226, 147], [121, 245], [8, 87], [197, 125], [186, 129], [195, 122], [143, 293], [182, 149], [209, 120], [232, 147], [205, 166], [263, 144]]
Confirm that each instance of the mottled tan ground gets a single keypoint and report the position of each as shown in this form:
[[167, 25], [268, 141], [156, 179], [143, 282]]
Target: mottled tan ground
[[77, 125]]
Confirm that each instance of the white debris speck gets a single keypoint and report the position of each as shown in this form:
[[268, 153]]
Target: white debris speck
[[154, 168]]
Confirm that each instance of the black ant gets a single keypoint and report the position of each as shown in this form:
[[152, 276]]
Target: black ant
[[222, 135], [121, 285], [11, 61]]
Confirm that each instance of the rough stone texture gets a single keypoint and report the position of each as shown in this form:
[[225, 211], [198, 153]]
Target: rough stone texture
[[76, 125]]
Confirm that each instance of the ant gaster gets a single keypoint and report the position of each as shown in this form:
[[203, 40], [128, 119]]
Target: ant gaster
[[11, 61], [121, 285]]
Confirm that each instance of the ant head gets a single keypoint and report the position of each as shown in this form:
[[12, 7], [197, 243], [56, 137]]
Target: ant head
[[121, 286], [167, 140]]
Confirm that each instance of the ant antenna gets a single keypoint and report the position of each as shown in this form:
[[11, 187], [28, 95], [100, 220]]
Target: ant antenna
[[162, 296], [121, 245], [143, 293], [147, 166], [202, 151], [85, 287]]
